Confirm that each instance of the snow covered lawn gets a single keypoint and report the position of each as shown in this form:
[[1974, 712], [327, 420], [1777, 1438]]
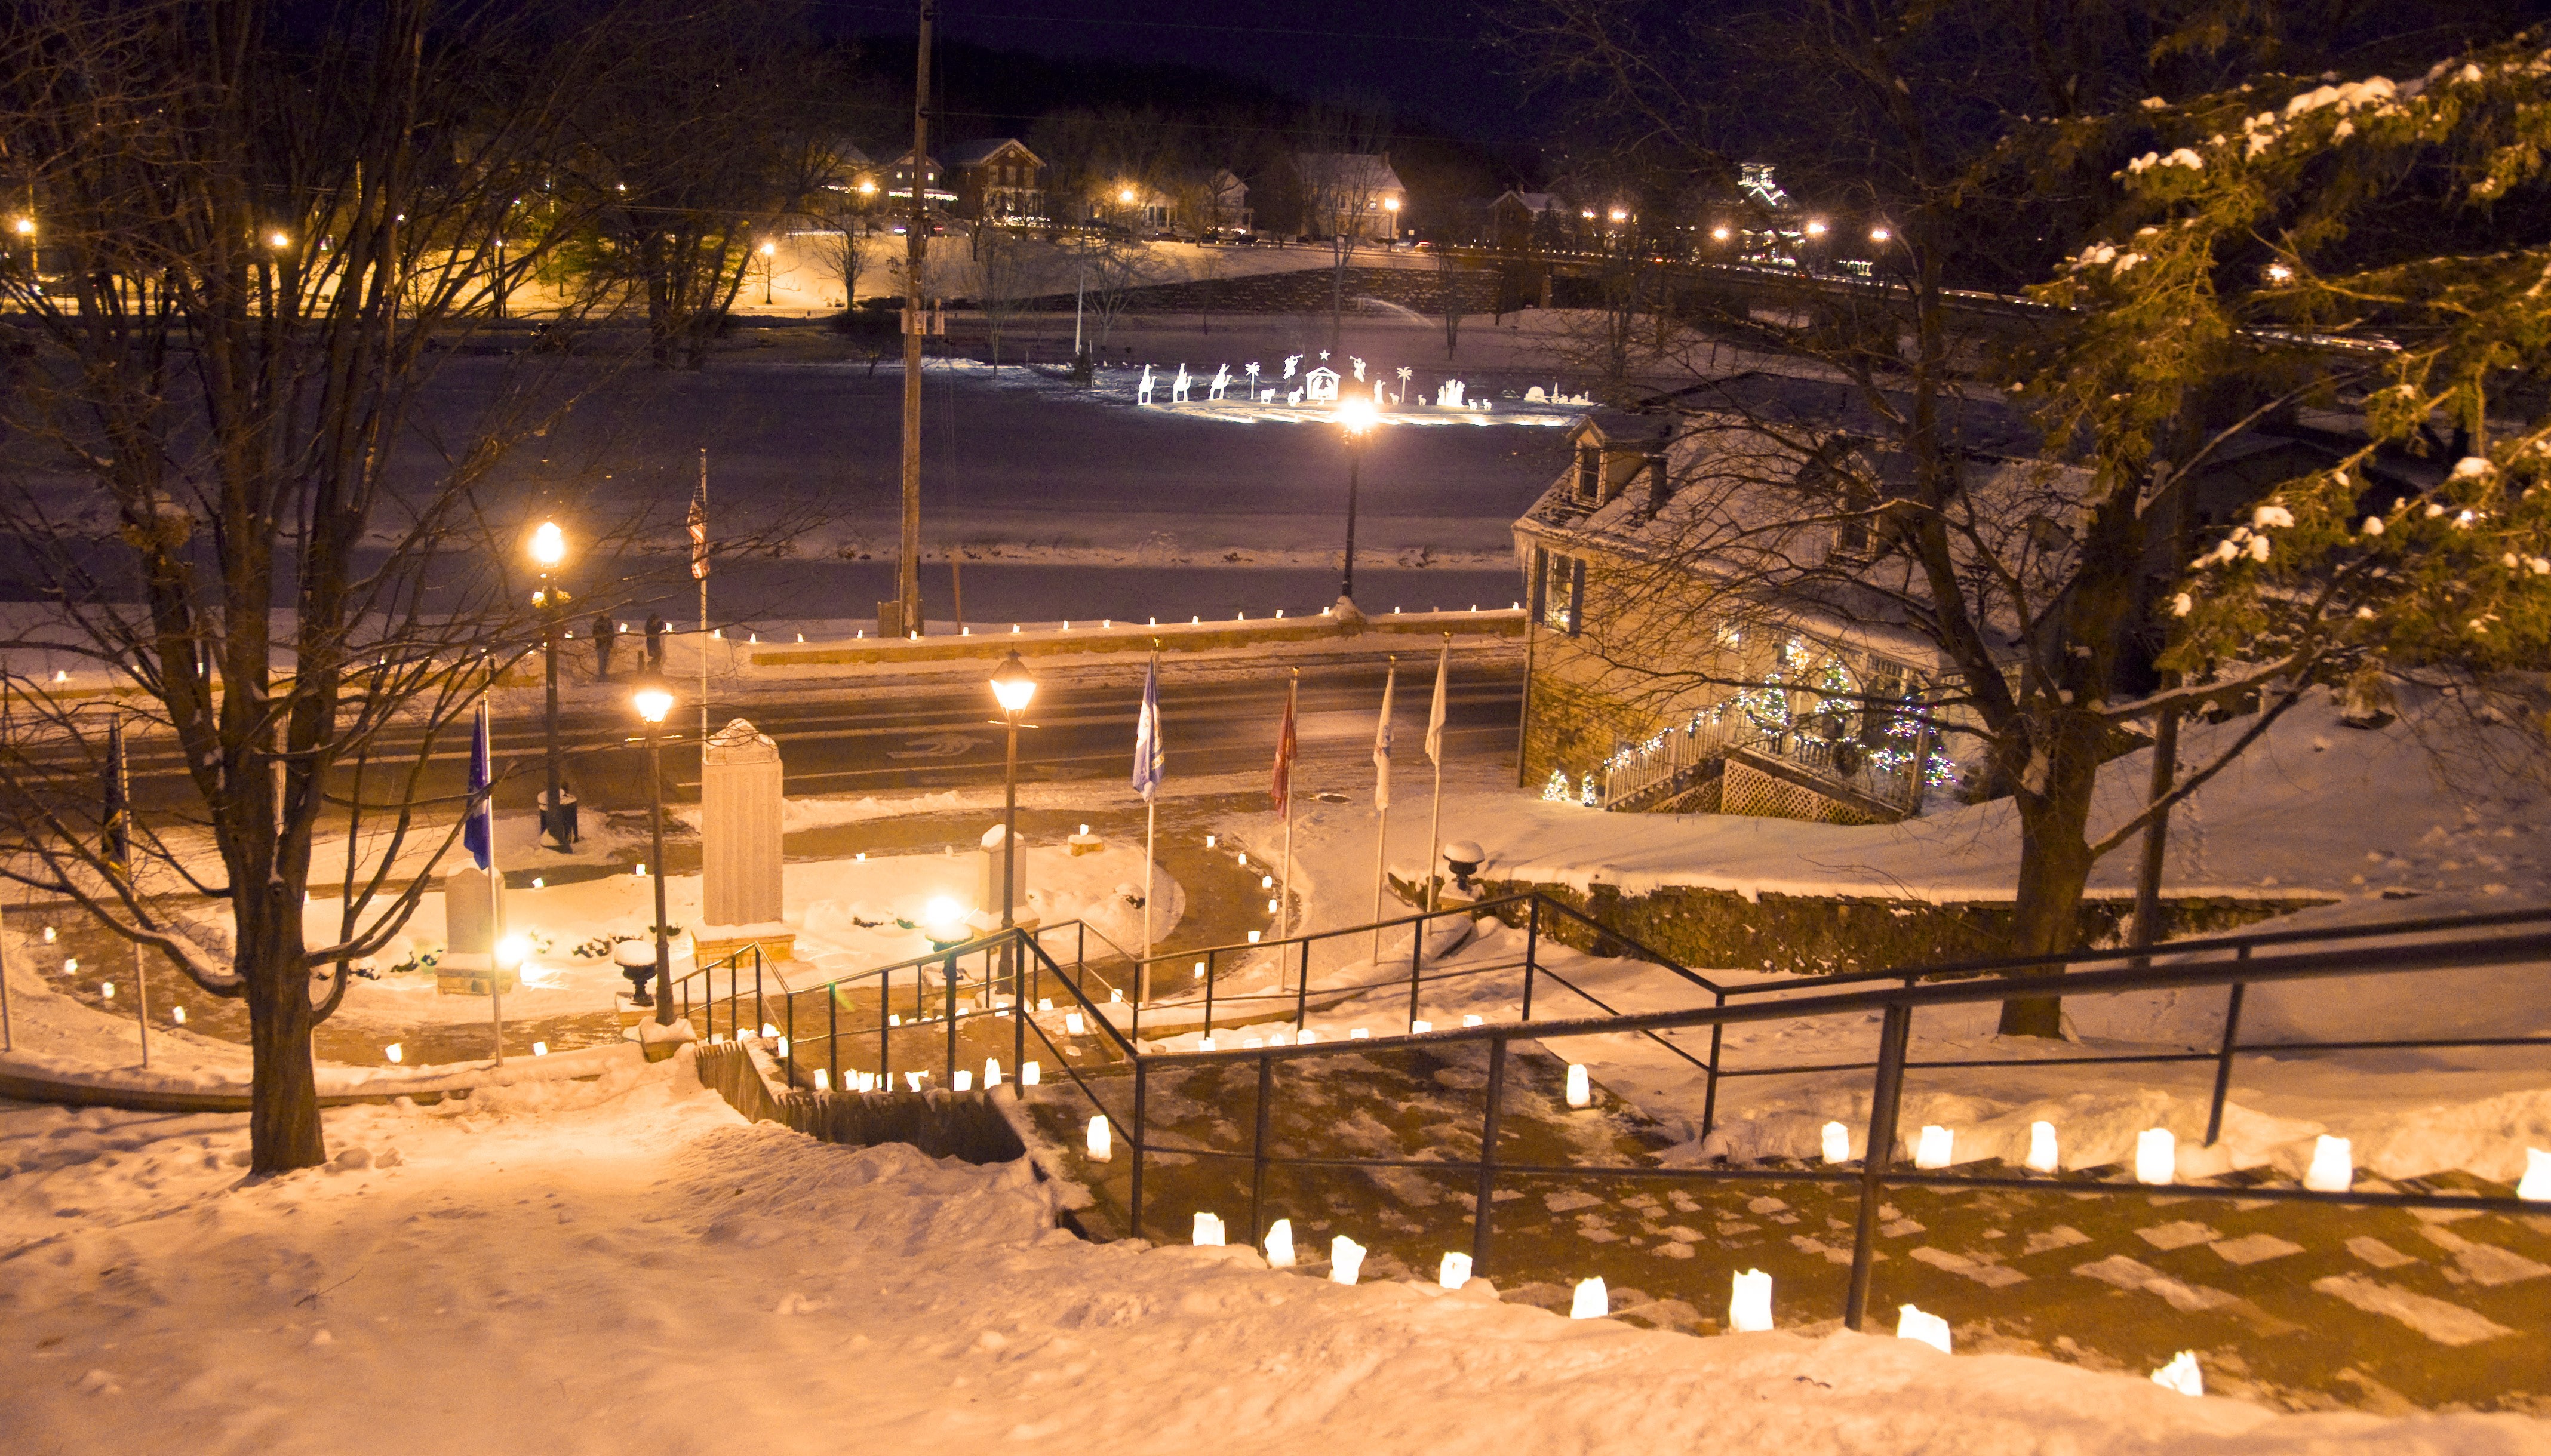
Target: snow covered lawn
[[624, 1264]]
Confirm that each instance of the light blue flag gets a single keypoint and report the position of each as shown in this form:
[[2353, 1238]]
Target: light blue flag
[[478, 834], [1151, 761]]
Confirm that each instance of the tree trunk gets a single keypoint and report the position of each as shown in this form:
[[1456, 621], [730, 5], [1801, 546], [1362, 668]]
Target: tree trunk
[[283, 1120], [2054, 865]]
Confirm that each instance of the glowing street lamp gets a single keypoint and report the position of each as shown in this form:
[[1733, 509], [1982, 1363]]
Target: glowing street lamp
[[1013, 688], [279, 240], [1356, 416], [652, 697], [1880, 234], [1719, 234], [768, 251], [549, 548]]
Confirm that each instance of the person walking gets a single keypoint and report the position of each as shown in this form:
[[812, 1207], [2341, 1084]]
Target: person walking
[[604, 629], [657, 626]]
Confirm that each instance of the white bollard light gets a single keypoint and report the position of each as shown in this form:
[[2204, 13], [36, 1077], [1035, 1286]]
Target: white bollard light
[[783, 1051], [1305, 1036], [912, 1080], [2333, 1165], [1030, 1074], [1204, 1043], [395, 1053], [768, 1030], [1454, 1272], [1072, 1025], [991, 1071], [1103, 1142], [1936, 1147], [2041, 1148], [1580, 1092], [1208, 1231], [1045, 1003], [2535, 1186], [1419, 1028], [823, 1080], [1279, 1244], [1749, 1303], [1592, 1301], [1346, 1258], [177, 1014], [1475, 1021], [2156, 1155], [1837, 1143], [1115, 994], [107, 990], [1358, 1034], [542, 1048], [964, 1079], [2182, 1375], [1912, 1324]]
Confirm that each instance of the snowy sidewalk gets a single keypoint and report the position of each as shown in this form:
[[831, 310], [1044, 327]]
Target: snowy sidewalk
[[615, 1266]]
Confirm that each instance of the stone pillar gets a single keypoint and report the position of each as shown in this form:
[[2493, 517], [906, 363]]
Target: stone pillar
[[740, 817], [470, 923], [988, 882]]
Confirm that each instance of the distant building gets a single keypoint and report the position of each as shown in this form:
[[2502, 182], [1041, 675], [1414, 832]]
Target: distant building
[[1518, 222], [997, 180], [1353, 194], [897, 178], [1224, 206]]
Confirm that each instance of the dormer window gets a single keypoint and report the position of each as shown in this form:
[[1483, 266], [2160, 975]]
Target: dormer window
[[1589, 475]]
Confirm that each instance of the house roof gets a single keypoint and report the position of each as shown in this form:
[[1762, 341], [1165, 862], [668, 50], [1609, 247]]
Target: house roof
[[1347, 171], [976, 153]]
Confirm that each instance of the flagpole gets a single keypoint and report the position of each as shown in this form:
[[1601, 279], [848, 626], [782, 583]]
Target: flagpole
[[1434, 751], [495, 900], [699, 568], [1382, 798], [1284, 886], [1148, 762]]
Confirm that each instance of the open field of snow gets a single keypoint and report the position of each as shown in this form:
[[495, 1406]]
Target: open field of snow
[[582, 1267]]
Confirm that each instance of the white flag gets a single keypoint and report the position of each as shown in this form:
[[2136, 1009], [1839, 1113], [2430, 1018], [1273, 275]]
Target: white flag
[[1435, 717], [1381, 746]]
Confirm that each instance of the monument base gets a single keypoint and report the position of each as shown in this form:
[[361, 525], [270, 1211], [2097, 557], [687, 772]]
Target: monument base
[[467, 979], [713, 943]]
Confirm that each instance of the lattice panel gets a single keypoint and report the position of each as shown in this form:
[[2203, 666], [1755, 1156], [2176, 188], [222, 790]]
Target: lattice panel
[[1748, 790]]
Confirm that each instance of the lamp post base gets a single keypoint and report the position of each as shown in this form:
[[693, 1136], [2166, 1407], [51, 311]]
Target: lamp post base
[[1346, 609]]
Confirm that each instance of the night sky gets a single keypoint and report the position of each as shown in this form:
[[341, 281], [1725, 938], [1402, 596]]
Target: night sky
[[1424, 58]]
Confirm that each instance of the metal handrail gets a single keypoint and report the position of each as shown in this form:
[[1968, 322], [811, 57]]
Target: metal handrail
[[1914, 988]]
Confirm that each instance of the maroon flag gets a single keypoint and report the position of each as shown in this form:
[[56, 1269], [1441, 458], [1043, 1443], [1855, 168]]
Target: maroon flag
[[1282, 784], [699, 537]]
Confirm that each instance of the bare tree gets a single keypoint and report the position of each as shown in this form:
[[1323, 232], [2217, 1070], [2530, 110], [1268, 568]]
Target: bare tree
[[707, 128], [257, 235], [1344, 179]]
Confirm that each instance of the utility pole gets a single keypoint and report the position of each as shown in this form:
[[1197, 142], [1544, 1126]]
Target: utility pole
[[916, 246]]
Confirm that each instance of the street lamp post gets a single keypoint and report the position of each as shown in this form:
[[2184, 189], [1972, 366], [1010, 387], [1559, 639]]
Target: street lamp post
[[1013, 689], [653, 701], [768, 251], [549, 547], [1355, 418]]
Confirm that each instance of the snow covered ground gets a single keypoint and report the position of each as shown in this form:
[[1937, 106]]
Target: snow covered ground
[[622, 1263]]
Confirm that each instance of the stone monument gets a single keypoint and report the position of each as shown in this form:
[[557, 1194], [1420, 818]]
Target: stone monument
[[467, 965], [739, 806], [988, 882]]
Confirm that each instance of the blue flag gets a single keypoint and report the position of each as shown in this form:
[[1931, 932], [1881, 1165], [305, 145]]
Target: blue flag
[[1151, 761], [478, 833]]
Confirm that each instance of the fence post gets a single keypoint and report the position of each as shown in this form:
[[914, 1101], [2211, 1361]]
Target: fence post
[[1488, 1188], [1892, 1033], [1709, 1098], [885, 1041], [1303, 992], [2224, 1058], [1416, 963], [1531, 948], [833, 1034], [951, 1083], [1208, 993], [1019, 1006], [1258, 1151], [761, 1010], [789, 1062], [1134, 1199]]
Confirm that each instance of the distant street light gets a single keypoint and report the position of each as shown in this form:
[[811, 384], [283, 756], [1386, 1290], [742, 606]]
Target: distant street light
[[768, 251], [1879, 235], [1816, 228], [653, 701], [549, 548], [1719, 234], [1356, 420], [279, 240]]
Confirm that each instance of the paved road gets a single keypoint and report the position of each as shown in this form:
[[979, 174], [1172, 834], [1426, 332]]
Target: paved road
[[931, 738]]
